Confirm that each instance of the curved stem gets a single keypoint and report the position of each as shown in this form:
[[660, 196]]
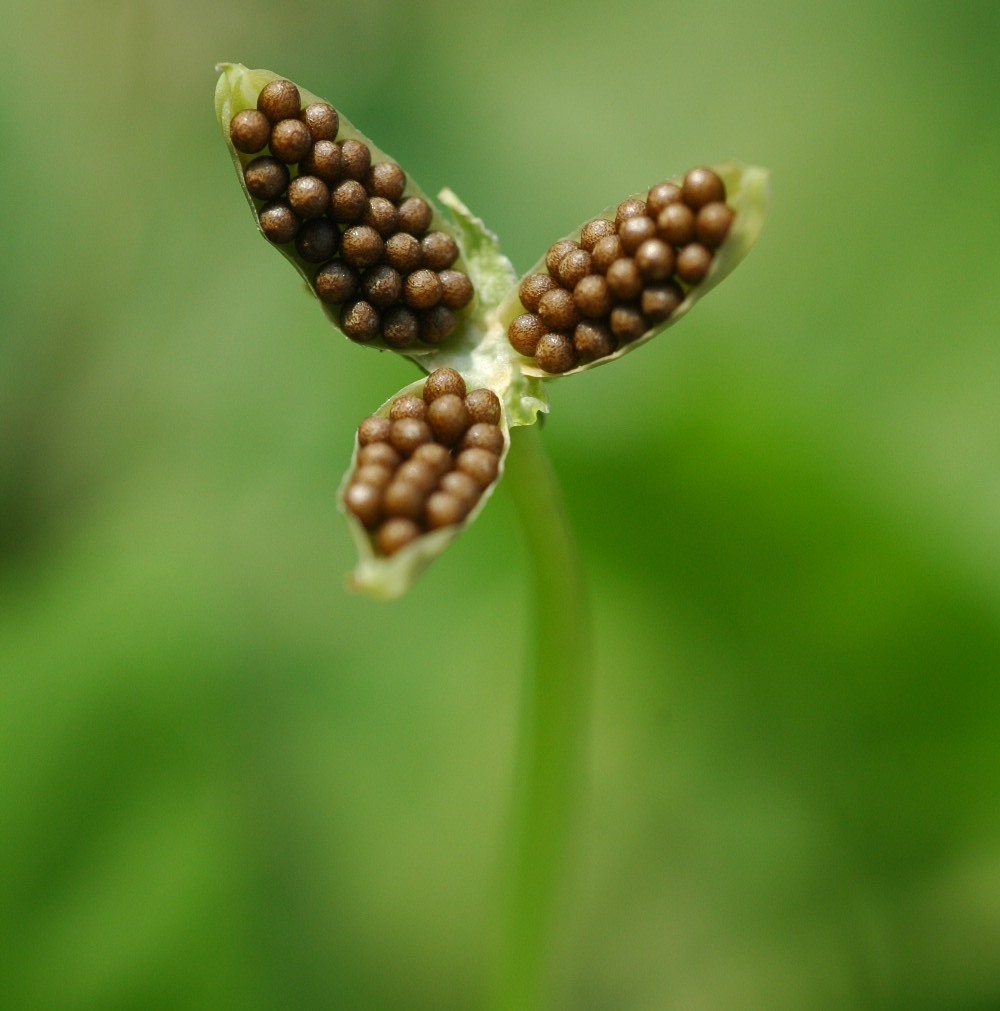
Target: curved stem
[[552, 730]]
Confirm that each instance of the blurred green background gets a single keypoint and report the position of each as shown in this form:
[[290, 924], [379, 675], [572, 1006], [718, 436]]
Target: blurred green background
[[226, 783]]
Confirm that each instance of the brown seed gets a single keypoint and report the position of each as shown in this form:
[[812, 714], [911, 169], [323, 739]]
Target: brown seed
[[309, 196], [525, 332], [449, 418], [382, 286], [693, 262], [592, 341], [624, 279], [437, 324], [593, 231], [322, 161], [627, 323], [702, 186], [443, 510], [606, 252], [395, 534], [484, 436], [592, 296], [555, 353], [249, 131], [435, 456], [631, 208], [381, 214], [456, 289], [374, 474], [533, 287], [374, 429], [317, 240], [415, 216], [279, 100], [442, 381], [380, 453], [400, 327], [439, 250], [335, 282], [573, 266], [464, 487], [408, 433], [386, 179], [655, 260], [403, 498], [675, 224], [712, 224], [484, 407], [635, 231], [361, 246], [365, 502], [290, 140], [660, 195], [402, 251], [348, 201], [421, 475], [355, 159], [557, 252], [322, 120], [279, 222], [659, 301], [360, 320], [408, 406], [421, 289], [558, 310], [266, 177], [479, 464]]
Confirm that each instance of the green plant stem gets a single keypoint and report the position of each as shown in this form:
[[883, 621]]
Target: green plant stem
[[551, 732]]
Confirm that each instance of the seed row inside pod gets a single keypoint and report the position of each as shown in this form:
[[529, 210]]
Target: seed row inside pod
[[623, 276], [427, 464], [367, 245]]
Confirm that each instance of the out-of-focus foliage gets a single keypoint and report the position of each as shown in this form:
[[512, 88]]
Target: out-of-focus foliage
[[226, 783]]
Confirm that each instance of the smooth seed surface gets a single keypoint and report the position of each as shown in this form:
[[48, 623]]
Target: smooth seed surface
[[712, 224], [693, 262], [374, 474], [374, 429], [631, 208], [627, 323], [592, 296], [661, 195], [484, 406], [655, 260], [702, 186], [483, 436], [623, 279], [439, 250], [449, 418], [380, 453], [419, 474], [408, 433], [443, 510], [606, 252], [381, 214], [593, 231], [592, 341], [435, 456], [659, 301], [403, 498], [573, 266], [675, 224], [480, 465], [395, 534], [464, 487], [348, 201], [365, 501], [635, 231]]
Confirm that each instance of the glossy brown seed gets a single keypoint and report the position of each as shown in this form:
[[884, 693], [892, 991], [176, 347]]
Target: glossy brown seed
[[449, 418], [355, 159], [660, 195], [557, 252], [290, 140], [374, 429], [593, 231], [712, 224], [533, 287], [437, 324], [279, 100], [659, 301], [624, 279], [435, 456], [386, 179], [322, 161], [655, 260], [322, 120], [408, 433], [279, 222], [456, 289], [592, 296], [702, 186], [379, 453], [374, 474], [443, 510], [309, 196], [555, 353], [415, 216], [439, 250], [525, 332], [336, 282], [483, 436], [558, 310], [484, 407], [348, 202], [365, 502], [381, 214], [317, 240], [402, 251], [593, 340], [421, 289], [631, 208], [442, 381], [573, 266], [400, 327], [395, 534], [421, 475], [403, 498], [382, 286], [675, 224], [635, 231], [627, 323], [693, 262], [480, 465], [408, 406], [266, 177], [606, 252], [360, 320], [249, 131], [464, 487], [361, 246]]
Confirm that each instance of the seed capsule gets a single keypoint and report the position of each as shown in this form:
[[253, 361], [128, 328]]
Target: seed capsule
[[249, 131]]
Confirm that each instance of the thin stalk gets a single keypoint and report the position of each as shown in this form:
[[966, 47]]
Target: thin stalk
[[552, 730]]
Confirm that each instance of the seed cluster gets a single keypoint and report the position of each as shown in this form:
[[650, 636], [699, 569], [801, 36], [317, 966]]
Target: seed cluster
[[370, 243], [426, 465], [623, 276]]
